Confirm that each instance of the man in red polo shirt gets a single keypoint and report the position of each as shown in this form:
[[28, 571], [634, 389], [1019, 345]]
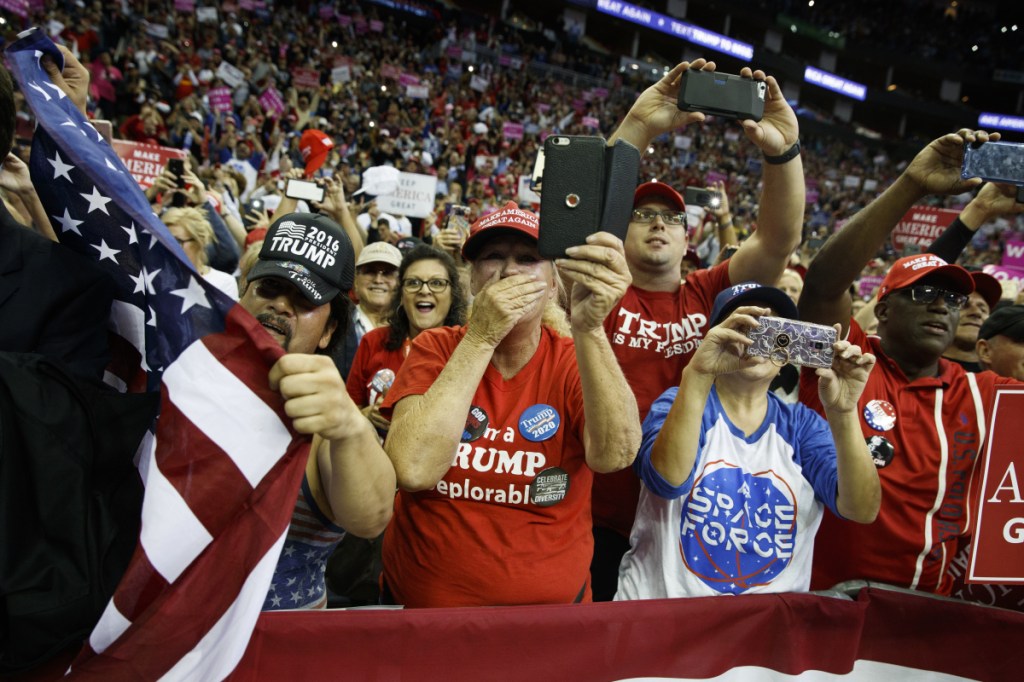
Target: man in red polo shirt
[[923, 416]]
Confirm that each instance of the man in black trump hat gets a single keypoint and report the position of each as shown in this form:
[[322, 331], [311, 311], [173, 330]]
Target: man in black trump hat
[[297, 291]]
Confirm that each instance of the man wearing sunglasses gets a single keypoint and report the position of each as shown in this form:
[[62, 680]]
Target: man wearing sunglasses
[[297, 291], [923, 416]]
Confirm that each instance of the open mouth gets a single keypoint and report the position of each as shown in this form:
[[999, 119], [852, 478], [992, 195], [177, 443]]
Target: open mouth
[[425, 307], [276, 325]]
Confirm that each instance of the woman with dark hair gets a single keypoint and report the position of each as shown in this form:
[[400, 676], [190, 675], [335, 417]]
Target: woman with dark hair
[[428, 296]]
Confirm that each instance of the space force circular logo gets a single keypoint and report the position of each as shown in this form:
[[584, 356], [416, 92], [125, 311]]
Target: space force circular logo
[[539, 422], [737, 529], [880, 415]]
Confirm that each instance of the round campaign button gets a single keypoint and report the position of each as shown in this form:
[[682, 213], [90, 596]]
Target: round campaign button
[[539, 422], [476, 424], [881, 451], [880, 415], [549, 487]]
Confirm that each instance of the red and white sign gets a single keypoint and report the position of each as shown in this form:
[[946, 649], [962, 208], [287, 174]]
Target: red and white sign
[[220, 99], [921, 225], [998, 546], [1013, 256], [145, 161], [306, 78], [590, 122]]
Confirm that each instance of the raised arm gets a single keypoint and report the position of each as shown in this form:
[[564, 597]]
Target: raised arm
[[352, 479], [765, 254], [600, 277], [935, 169], [991, 202], [425, 429]]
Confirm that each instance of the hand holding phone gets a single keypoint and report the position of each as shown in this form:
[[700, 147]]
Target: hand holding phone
[[177, 168], [785, 341], [994, 161]]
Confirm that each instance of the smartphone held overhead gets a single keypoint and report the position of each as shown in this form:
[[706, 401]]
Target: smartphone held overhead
[[705, 198], [305, 190], [722, 94], [994, 162]]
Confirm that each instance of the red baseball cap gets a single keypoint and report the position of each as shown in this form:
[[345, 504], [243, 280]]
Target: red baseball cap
[[509, 219], [315, 145], [908, 270], [989, 288], [659, 190]]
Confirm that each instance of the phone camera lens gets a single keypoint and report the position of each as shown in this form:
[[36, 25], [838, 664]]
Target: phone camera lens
[[782, 340]]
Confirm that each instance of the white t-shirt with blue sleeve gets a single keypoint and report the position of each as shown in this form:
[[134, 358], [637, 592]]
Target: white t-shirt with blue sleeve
[[745, 519]]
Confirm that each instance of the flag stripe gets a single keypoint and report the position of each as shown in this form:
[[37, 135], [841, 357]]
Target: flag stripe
[[249, 433], [112, 625], [175, 621], [165, 515], [219, 651]]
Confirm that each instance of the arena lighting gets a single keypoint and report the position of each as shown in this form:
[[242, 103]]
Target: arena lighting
[[403, 6], [834, 83], [674, 27], [1000, 121]]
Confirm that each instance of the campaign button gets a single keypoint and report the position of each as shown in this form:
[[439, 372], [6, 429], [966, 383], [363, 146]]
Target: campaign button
[[539, 422], [881, 451], [549, 487], [880, 415], [476, 424]]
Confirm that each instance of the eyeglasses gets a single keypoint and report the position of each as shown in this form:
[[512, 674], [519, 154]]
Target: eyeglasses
[[646, 215], [925, 294], [414, 285]]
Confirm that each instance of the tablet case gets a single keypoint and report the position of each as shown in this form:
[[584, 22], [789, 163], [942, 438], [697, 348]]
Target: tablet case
[[588, 187]]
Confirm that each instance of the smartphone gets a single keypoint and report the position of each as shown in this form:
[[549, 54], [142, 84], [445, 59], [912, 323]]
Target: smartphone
[[994, 161], [457, 218], [785, 341], [705, 198], [571, 204], [177, 167], [537, 177], [722, 94], [304, 189]]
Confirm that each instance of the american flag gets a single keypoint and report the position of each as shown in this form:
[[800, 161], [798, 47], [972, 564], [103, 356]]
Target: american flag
[[223, 466]]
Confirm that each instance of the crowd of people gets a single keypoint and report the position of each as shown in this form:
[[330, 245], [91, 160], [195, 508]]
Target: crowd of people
[[584, 428]]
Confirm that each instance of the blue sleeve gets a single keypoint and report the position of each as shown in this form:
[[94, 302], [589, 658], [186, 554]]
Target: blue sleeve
[[223, 252], [815, 452], [642, 464]]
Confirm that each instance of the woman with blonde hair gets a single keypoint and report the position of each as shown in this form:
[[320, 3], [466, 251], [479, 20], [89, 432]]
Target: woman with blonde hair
[[194, 233]]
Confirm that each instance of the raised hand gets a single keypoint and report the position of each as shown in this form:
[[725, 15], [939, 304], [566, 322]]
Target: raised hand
[[724, 348], [600, 277], [315, 395], [841, 385], [501, 303]]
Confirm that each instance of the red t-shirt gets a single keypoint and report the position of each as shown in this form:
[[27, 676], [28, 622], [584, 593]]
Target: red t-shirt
[[371, 357], [926, 459], [653, 334], [480, 536]]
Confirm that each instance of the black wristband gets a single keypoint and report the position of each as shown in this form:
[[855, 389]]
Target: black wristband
[[785, 156]]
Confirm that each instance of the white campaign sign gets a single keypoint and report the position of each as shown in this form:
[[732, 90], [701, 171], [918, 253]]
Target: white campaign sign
[[413, 197]]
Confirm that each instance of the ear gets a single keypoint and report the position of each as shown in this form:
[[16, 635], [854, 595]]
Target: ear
[[882, 311], [325, 338], [984, 351]]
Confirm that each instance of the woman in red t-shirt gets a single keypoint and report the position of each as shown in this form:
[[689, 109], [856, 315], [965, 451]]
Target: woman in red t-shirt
[[430, 296]]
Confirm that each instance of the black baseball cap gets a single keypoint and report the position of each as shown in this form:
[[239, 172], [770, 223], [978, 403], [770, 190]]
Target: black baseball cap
[[1006, 321], [312, 252]]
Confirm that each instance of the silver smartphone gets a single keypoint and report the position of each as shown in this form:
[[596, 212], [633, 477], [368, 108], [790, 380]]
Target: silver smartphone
[[792, 342]]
